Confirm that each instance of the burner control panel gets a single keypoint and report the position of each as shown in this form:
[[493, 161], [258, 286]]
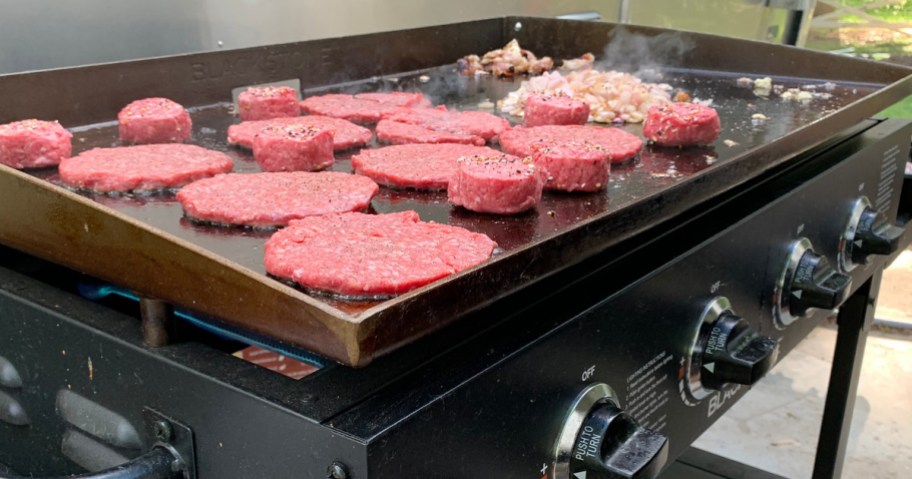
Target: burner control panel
[[713, 307]]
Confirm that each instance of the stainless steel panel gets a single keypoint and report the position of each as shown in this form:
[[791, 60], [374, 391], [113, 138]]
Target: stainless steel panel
[[44, 34], [93, 31], [766, 20]]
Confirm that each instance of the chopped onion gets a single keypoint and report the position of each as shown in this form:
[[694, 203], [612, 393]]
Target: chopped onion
[[612, 96]]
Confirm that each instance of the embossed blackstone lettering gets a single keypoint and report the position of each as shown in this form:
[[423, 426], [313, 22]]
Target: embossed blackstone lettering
[[244, 65]]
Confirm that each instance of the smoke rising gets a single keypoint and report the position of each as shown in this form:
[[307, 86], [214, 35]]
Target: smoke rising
[[642, 55]]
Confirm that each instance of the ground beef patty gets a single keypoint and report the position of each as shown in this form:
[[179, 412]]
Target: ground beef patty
[[554, 110], [142, 168], [361, 256], [293, 148], [346, 107], [346, 135], [396, 133], [263, 103], [264, 200], [682, 124], [619, 144], [421, 167], [474, 123], [154, 120], [573, 167], [397, 98], [363, 107], [34, 144], [500, 184]]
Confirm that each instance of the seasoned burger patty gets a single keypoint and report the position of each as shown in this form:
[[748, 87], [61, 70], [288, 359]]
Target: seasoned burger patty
[[154, 120], [264, 200], [421, 167], [682, 124], [475, 123], [142, 168], [263, 103], [362, 256], [34, 144], [499, 184], [396, 133], [293, 148], [346, 135], [573, 166], [555, 110], [619, 144]]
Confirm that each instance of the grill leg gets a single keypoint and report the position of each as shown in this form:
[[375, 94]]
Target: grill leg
[[157, 321], [854, 320]]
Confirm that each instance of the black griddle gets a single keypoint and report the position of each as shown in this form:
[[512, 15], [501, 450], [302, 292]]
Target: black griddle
[[145, 244]]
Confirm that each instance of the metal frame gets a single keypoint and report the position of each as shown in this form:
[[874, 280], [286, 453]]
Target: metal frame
[[699, 464], [855, 319]]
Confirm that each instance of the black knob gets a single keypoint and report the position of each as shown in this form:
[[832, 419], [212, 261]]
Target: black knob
[[816, 285], [735, 353], [611, 445], [874, 235]]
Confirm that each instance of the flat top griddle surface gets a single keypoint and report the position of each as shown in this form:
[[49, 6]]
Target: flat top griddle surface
[[653, 172]]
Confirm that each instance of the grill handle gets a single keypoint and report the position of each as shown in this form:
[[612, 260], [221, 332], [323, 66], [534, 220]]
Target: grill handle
[[159, 463]]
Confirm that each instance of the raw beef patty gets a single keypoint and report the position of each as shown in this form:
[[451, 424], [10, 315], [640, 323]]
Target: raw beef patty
[[396, 133], [500, 184], [682, 124], [142, 168], [368, 256], [346, 107], [363, 107], [474, 123], [263, 103], [397, 98], [421, 167], [346, 135], [154, 120], [573, 167], [264, 200], [34, 144], [555, 110], [293, 148], [617, 143]]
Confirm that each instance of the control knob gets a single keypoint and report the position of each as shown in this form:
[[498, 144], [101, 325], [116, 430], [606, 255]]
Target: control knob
[[601, 441], [807, 282], [611, 445], [727, 350], [867, 233]]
